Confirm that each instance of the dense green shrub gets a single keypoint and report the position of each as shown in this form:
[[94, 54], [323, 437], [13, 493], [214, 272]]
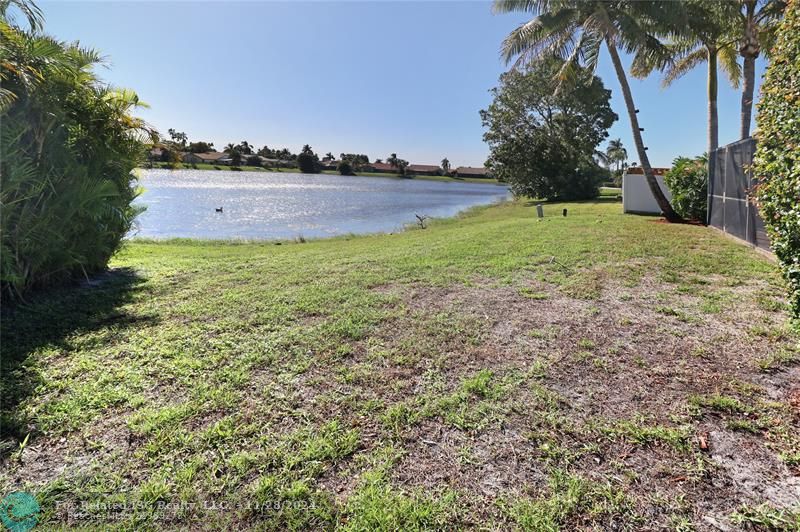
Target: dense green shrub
[[345, 168], [69, 146], [777, 159], [688, 182]]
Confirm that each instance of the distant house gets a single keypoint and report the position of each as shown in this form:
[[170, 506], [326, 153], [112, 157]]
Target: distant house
[[469, 171], [423, 169], [380, 167], [212, 157], [155, 154], [277, 163], [329, 164]]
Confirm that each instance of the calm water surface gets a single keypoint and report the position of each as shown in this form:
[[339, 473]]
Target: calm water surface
[[257, 205]]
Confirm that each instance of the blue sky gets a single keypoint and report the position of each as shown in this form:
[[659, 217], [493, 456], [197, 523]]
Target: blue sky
[[369, 77]]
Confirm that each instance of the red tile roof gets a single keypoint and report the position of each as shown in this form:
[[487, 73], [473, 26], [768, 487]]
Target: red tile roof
[[422, 167], [469, 170], [383, 166]]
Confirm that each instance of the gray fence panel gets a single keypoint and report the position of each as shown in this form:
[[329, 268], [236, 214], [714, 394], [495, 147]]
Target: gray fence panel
[[729, 205]]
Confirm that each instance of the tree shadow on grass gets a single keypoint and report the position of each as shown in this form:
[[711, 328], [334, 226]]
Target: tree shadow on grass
[[48, 319]]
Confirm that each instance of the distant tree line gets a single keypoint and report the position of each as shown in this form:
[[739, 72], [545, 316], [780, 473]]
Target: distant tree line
[[177, 143]]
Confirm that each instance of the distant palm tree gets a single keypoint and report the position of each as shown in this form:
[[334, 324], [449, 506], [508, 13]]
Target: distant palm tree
[[575, 31], [329, 156], [446, 165], [230, 148], [245, 147], [757, 22], [392, 160], [616, 152]]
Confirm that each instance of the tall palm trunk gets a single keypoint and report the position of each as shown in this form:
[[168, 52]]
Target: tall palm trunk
[[748, 87], [749, 50], [713, 121], [663, 202]]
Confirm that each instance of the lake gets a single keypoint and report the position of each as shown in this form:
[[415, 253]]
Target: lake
[[267, 205]]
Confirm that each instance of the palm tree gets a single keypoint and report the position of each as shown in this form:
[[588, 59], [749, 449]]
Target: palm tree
[[575, 30], [616, 152], [757, 23], [706, 38], [392, 160], [446, 165]]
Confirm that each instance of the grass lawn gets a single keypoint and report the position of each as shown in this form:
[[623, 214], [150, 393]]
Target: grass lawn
[[598, 371]]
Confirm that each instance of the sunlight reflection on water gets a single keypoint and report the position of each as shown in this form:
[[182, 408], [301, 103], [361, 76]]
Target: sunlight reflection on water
[[266, 205]]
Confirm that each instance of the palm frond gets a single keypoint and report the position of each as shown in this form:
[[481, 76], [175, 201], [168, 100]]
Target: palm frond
[[728, 59], [543, 34], [684, 64], [30, 11], [521, 6]]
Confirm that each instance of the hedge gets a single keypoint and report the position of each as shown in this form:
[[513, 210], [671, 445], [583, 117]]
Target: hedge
[[777, 159]]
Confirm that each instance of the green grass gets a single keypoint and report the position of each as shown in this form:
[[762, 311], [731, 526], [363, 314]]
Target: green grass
[[612, 192], [335, 383]]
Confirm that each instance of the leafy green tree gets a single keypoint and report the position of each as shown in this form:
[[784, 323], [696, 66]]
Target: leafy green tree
[[575, 31], [542, 141], [253, 160], [200, 147], [169, 155], [69, 145], [345, 168], [776, 164], [308, 161], [356, 160]]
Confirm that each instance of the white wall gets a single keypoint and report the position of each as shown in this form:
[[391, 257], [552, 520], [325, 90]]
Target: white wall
[[636, 195]]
